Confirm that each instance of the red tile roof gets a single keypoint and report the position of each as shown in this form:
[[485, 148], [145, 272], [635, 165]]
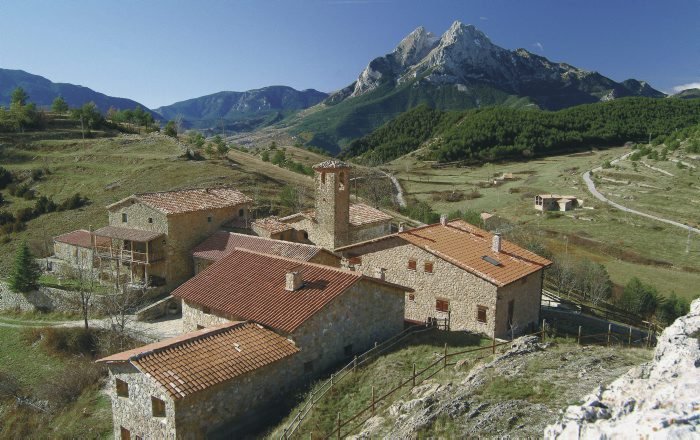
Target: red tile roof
[[223, 243], [127, 233], [465, 245], [198, 360], [80, 238], [272, 225], [360, 215], [189, 200], [251, 286]]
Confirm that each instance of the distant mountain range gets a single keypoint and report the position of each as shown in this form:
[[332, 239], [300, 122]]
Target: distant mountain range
[[460, 69], [242, 110], [42, 92]]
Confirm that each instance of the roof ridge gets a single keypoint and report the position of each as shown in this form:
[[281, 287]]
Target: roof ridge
[[256, 237], [186, 189], [301, 262]]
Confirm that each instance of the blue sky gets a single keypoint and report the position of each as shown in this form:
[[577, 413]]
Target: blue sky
[[160, 52]]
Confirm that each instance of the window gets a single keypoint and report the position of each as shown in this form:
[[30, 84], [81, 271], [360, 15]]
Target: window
[[158, 407], [411, 264], [209, 219], [356, 261], [481, 313], [428, 267], [150, 219], [206, 310], [200, 327], [124, 217], [442, 305], [323, 177], [122, 388], [348, 350], [241, 212], [341, 182], [308, 367], [411, 297], [124, 433]]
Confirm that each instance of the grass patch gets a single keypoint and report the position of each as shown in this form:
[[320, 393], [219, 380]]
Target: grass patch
[[503, 388]]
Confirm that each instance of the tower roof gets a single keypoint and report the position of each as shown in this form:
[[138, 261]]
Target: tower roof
[[331, 164]]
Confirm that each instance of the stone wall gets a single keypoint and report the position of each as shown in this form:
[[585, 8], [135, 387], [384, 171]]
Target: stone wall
[[194, 317], [75, 255], [44, 299], [464, 291], [526, 295], [369, 232], [332, 207]]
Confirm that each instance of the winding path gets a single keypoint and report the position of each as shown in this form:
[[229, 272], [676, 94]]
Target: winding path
[[592, 189], [400, 199]]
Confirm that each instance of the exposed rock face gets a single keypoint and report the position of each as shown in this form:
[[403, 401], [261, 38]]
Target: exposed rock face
[[660, 399], [465, 57]]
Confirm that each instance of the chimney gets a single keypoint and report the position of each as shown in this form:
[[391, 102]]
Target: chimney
[[379, 273], [401, 227], [496, 243], [443, 219], [294, 281]]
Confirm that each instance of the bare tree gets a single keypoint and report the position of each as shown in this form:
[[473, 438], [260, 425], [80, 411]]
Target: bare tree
[[119, 306], [376, 188], [562, 275], [593, 281], [82, 273]]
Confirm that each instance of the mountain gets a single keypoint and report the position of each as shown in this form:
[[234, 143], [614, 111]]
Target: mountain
[[242, 110], [687, 94], [458, 70], [42, 92]]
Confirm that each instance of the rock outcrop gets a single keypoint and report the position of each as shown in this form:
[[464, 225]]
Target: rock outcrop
[[660, 399]]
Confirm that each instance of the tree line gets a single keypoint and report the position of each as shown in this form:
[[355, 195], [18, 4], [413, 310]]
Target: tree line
[[498, 133]]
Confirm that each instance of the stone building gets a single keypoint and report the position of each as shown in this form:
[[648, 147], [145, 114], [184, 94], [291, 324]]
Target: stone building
[[223, 243], [554, 202], [150, 236], [330, 313], [200, 382], [335, 222], [475, 279], [76, 249]]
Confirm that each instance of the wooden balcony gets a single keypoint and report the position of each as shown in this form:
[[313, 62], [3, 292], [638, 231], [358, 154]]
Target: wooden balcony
[[127, 255]]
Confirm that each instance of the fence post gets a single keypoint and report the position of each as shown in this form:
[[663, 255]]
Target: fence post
[[579, 335], [445, 357], [609, 330], [544, 321], [354, 364], [493, 341], [373, 401], [629, 338], [414, 374], [338, 425], [332, 380], [284, 435]]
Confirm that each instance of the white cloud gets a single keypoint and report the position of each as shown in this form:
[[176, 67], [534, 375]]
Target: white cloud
[[681, 87], [539, 46], [483, 18]]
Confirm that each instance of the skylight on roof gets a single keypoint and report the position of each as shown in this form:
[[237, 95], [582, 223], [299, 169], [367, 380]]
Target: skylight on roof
[[491, 260]]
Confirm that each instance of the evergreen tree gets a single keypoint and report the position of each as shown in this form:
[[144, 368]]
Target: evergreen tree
[[59, 105], [171, 129], [25, 273], [19, 96]]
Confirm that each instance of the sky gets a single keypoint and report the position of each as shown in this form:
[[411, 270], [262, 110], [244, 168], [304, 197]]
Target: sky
[[160, 52]]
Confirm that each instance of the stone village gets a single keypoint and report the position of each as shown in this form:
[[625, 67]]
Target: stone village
[[271, 304]]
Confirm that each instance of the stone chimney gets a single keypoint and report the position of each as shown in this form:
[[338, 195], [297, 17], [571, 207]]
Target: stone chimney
[[379, 273], [401, 227], [443, 219], [496, 243], [294, 281]]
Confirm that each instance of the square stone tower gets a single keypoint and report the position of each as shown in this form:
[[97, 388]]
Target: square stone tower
[[332, 203]]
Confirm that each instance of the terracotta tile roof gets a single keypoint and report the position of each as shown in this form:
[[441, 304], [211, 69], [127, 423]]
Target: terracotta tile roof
[[80, 238], [189, 200], [465, 245], [360, 215], [251, 286], [198, 360], [271, 224], [127, 233], [223, 243], [331, 164]]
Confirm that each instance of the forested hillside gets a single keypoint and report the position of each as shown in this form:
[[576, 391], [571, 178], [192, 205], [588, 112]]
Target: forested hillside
[[506, 133]]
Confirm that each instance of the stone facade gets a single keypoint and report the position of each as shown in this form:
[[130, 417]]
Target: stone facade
[[464, 292], [44, 299], [76, 256], [332, 206]]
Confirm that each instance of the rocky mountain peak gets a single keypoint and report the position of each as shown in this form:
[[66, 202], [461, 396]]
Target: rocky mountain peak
[[414, 46], [464, 34]]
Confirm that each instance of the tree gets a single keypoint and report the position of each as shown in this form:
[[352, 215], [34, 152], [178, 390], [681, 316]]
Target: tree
[[265, 156], [59, 105], [171, 129], [25, 272], [293, 197], [672, 308], [89, 117], [640, 298], [19, 96], [593, 281], [279, 158], [220, 145], [119, 307], [82, 274]]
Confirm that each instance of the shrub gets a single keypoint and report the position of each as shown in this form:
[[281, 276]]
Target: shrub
[[25, 214], [73, 202], [640, 298], [67, 386], [672, 308], [5, 178], [64, 341]]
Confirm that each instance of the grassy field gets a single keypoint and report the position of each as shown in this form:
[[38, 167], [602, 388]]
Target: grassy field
[[628, 245]]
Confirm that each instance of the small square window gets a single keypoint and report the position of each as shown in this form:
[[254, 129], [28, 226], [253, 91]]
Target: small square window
[[241, 212], [411, 297], [356, 261], [348, 350], [411, 264], [442, 305], [150, 219], [122, 388], [158, 407], [481, 313], [124, 217], [428, 267], [200, 327], [209, 219], [308, 367], [206, 310]]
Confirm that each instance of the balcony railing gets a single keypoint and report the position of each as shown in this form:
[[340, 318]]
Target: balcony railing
[[127, 255]]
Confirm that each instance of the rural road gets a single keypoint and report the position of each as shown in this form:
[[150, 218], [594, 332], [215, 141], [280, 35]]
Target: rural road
[[592, 189], [399, 191]]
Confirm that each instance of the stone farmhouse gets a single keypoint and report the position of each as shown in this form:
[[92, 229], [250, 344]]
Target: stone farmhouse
[[473, 278], [193, 384], [76, 248], [329, 313], [150, 236], [223, 243], [554, 202], [335, 222]]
